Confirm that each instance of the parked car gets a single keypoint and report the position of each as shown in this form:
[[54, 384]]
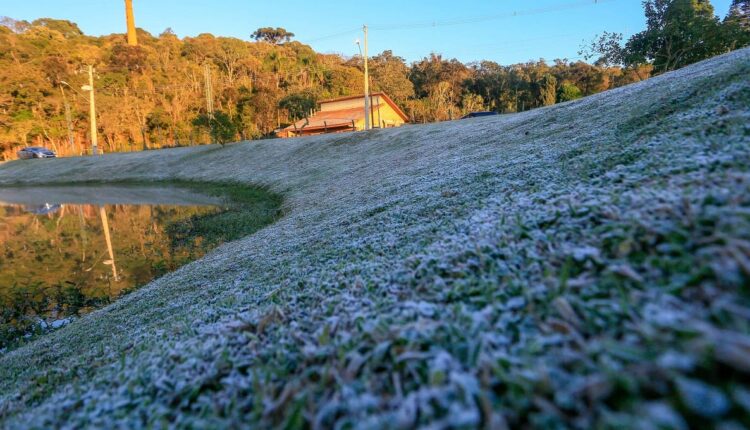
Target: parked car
[[479, 114], [35, 152], [44, 209]]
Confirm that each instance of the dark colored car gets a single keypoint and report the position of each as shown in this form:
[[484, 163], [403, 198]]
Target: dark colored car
[[35, 152], [479, 114]]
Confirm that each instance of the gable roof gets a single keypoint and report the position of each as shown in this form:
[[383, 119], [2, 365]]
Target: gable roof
[[380, 94], [331, 119], [342, 117]]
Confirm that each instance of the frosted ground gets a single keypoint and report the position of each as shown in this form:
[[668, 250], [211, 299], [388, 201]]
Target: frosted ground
[[585, 265]]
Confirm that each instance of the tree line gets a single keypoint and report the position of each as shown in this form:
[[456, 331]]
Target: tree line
[[154, 95], [678, 33]]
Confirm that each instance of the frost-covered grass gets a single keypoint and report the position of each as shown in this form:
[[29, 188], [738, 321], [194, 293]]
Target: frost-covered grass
[[585, 265]]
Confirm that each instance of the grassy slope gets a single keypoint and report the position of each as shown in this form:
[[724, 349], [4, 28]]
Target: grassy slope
[[581, 264]]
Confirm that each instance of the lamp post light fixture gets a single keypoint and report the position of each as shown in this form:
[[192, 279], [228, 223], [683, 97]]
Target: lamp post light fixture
[[367, 79], [92, 111]]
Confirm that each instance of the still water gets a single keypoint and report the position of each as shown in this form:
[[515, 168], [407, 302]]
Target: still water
[[65, 251]]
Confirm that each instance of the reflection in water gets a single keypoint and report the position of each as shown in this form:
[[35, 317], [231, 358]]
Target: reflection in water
[[62, 260], [105, 227], [44, 209]]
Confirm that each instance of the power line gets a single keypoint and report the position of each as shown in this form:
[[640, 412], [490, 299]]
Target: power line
[[478, 19], [521, 43], [335, 35], [469, 20]]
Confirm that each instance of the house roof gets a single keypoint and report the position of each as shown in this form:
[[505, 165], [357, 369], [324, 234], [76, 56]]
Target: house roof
[[382, 95], [332, 119], [342, 117]]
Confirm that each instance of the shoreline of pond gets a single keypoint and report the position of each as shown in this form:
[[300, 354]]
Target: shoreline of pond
[[240, 210]]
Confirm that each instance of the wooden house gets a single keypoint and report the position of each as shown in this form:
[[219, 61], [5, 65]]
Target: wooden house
[[348, 114]]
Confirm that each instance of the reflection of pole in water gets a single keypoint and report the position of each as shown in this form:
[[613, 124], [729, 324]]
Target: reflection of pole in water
[[105, 225], [60, 217], [84, 237]]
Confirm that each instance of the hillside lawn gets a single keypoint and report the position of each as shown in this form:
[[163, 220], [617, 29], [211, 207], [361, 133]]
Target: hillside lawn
[[583, 265]]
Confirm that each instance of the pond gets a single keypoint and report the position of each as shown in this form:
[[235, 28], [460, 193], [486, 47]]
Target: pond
[[65, 251]]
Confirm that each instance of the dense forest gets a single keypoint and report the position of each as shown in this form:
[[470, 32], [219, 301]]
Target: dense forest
[[154, 95]]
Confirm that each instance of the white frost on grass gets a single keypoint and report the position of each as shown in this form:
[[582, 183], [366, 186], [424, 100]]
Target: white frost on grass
[[576, 266]]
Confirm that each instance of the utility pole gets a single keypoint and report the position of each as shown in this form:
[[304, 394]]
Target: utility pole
[[92, 111], [68, 119], [367, 86], [130, 18]]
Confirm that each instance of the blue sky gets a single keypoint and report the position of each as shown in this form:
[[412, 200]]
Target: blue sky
[[506, 31]]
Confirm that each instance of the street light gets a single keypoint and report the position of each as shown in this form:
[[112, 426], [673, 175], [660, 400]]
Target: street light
[[92, 111], [367, 79], [72, 88]]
